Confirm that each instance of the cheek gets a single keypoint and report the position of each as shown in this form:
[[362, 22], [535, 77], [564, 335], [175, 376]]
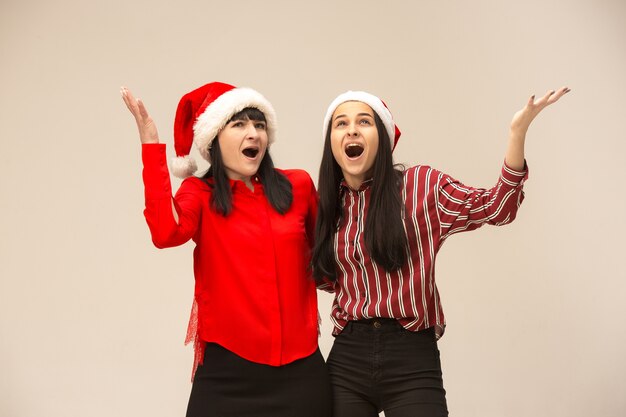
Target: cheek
[[225, 141], [228, 151], [335, 146], [372, 145], [370, 162], [265, 145], [371, 156], [264, 139]]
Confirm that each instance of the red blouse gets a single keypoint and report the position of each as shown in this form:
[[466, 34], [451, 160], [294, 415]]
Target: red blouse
[[253, 291]]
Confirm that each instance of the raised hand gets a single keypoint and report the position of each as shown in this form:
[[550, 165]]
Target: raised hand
[[147, 129], [520, 123], [523, 118]]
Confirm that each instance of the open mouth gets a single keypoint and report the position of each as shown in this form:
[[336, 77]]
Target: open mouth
[[354, 150], [251, 152]]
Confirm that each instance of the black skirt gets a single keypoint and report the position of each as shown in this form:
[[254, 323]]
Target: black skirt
[[227, 385]]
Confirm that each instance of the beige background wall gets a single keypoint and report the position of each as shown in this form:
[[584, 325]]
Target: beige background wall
[[92, 317]]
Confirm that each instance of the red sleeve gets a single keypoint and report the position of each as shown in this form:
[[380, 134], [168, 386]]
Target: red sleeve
[[165, 230], [311, 218], [463, 208]]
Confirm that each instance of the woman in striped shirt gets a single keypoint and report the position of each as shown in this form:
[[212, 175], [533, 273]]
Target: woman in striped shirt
[[377, 236]]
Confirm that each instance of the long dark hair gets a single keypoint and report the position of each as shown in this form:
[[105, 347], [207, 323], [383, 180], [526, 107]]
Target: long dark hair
[[385, 238], [277, 187]]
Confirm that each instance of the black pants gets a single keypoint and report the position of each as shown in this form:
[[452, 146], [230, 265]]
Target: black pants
[[376, 365], [227, 385]]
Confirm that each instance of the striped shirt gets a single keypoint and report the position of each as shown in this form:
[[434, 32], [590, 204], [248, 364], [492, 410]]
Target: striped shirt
[[435, 206]]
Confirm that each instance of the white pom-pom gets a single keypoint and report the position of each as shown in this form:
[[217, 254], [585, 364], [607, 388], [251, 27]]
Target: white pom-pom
[[184, 166]]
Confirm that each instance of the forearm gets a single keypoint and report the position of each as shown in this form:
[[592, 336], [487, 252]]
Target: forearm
[[161, 212], [462, 208], [515, 150]]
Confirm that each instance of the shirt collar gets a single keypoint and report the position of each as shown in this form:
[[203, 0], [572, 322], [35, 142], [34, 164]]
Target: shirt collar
[[240, 185], [343, 185]]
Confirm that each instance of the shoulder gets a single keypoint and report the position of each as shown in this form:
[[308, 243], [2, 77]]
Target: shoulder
[[297, 177], [423, 177], [422, 171], [194, 184]]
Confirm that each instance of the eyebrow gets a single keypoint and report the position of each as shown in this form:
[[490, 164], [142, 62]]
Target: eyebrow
[[360, 114]]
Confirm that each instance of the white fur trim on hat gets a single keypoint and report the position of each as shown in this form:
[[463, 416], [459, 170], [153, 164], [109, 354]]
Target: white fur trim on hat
[[217, 114], [184, 166], [371, 100]]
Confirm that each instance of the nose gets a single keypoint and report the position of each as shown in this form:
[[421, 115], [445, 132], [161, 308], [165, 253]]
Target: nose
[[251, 131], [352, 130]]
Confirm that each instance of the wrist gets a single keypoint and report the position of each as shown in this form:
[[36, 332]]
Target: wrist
[[518, 130], [146, 141]]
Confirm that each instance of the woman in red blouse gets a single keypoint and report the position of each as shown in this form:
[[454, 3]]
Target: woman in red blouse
[[378, 232], [254, 321]]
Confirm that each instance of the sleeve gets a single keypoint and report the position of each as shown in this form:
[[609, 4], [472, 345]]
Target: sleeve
[[463, 208], [310, 224], [326, 285], [311, 218], [165, 230]]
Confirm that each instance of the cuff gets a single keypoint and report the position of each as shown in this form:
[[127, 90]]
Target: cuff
[[514, 177]]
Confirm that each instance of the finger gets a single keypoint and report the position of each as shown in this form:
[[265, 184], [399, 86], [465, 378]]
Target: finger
[[142, 109], [558, 94], [531, 100], [127, 97], [126, 94], [543, 101], [545, 98], [131, 103], [562, 91]]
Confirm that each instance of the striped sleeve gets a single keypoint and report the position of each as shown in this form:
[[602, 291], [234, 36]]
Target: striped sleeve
[[463, 208], [326, 285]]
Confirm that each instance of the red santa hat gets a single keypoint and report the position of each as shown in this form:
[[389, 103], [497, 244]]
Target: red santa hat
[[203, 112], [375, 103]]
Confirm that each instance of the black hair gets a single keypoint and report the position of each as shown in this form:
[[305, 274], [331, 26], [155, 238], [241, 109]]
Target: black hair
[[385, 238], [277, 187]]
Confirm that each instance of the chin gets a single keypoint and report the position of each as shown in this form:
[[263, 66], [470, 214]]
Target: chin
[[356, 171], [253, 171]]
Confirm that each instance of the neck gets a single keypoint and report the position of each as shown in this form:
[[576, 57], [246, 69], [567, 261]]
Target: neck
[[248, 182], [355, 181]]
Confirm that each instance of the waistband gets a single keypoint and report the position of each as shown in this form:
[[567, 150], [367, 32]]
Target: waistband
[[381, 325]]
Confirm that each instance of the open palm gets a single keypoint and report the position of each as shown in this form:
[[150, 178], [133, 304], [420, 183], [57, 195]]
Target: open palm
[[146, 126], [523, 118]]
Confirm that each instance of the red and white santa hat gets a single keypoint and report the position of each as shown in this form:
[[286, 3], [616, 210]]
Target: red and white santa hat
[[375, 103], [203, 112]]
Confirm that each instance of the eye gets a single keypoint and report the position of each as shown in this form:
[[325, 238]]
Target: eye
[[366, 122], [237, 123], [260, 125], [340, 123]]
